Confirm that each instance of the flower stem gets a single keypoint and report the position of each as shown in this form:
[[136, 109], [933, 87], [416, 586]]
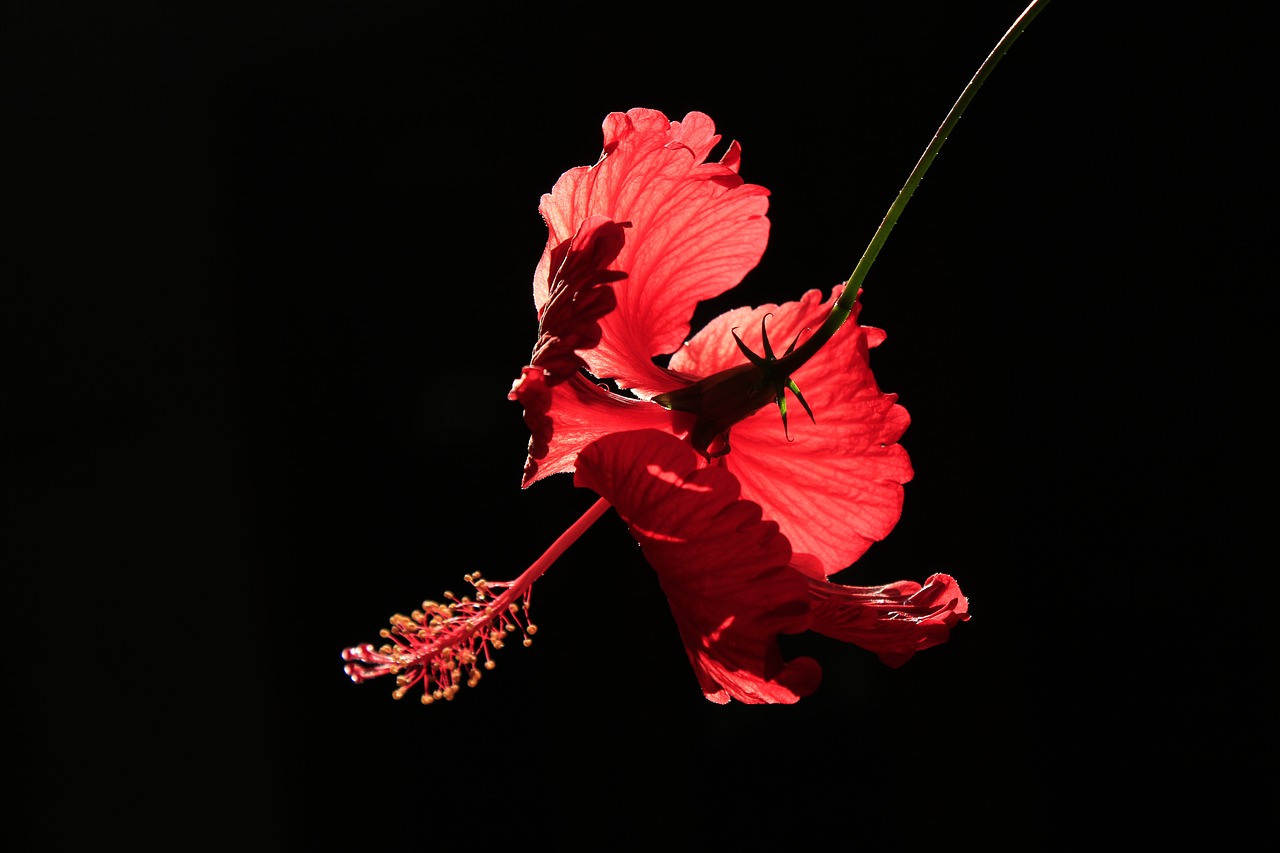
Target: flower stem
[[844, 305]]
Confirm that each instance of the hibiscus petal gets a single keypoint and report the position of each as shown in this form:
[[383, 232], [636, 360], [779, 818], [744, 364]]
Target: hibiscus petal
[[723, 569], [895, 621], [836, 486], [565, 418], [695, 229], [580, 295]]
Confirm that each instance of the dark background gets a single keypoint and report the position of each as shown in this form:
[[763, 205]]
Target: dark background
[[268, 283]]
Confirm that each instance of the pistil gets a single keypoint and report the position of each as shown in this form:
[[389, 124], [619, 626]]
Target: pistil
[[447, 645]]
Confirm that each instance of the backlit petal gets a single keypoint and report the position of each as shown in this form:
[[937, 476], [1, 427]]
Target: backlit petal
[[724, 570], [580, 295], [695, 229], [896, 620], [565, 418], [836, 486]]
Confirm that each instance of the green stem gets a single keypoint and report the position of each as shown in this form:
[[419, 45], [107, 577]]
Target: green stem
[[844, 305]]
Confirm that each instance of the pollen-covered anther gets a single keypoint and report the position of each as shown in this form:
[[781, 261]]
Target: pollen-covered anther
[[445, 646]]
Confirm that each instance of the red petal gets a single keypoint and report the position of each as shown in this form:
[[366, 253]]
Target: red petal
[[894, 621], [724, 570], [836, 486], [695, 230], [565, 418], [533, 392], [580, 295]]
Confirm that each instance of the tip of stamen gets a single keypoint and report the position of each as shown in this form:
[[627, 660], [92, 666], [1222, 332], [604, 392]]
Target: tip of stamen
[[444, 647]]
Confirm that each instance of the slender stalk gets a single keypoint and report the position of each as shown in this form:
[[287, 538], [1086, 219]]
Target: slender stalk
[[844, 305], [519, 587], [558, 547]]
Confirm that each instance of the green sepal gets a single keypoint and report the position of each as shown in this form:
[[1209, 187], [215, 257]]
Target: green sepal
[[767, 365]]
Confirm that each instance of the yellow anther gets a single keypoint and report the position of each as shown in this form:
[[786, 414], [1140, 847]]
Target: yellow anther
[[531, 629], [440, 648]]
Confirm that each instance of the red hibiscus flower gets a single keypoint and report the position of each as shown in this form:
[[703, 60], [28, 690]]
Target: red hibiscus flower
[[742, 518]]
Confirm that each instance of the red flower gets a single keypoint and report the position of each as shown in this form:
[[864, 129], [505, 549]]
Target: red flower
[[727, 573], [742, 520], [634, 243]]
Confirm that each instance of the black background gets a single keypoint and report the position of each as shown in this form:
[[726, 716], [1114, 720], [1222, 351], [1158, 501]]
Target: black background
[[269, 283]]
